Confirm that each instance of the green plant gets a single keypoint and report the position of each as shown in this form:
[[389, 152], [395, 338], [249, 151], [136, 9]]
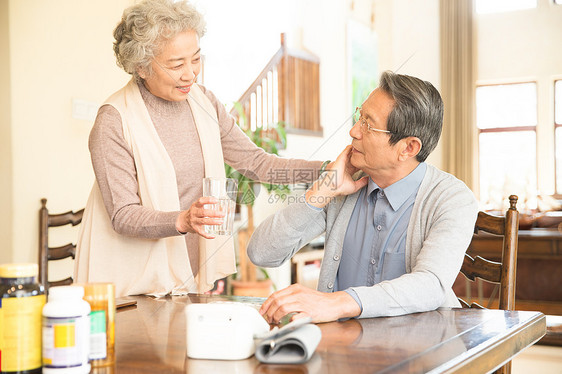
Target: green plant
[[270, 141]]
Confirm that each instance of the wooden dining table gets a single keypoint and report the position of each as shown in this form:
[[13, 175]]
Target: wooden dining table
[[151, 338]]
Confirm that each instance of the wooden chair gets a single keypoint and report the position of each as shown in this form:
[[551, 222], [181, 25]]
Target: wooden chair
[[502, 273], [47, 253]]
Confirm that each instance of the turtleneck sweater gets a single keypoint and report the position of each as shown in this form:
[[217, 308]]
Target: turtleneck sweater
[[114, 165]]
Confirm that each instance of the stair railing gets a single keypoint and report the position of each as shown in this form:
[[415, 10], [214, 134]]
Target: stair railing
[[286, 90]]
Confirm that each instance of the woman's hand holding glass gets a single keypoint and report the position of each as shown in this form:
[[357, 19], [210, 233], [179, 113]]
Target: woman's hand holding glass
[[197, 217]]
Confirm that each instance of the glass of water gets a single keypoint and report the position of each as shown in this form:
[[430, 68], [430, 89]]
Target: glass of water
[[224, 190]]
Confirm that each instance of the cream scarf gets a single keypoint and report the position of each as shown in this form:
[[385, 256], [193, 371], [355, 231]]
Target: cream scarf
[[158, 266]]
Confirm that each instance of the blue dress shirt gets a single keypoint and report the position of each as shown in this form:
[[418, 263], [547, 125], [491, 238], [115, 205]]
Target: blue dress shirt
[[374, 246]]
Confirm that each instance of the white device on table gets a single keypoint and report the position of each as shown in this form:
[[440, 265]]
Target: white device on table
[[223, 331]]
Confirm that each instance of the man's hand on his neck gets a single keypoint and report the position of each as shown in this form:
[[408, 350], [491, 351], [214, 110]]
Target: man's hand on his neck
[[335, 181]]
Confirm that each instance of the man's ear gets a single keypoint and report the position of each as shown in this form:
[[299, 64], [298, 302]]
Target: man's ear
[[410, 148]]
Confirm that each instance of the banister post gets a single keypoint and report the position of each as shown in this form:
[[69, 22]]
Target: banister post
[[43, 244], [282, 82], [511, 225]]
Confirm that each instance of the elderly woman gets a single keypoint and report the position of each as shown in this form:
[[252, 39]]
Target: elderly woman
[[152, 143]]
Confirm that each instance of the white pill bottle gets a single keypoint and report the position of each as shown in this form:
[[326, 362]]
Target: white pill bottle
[[66, 331]]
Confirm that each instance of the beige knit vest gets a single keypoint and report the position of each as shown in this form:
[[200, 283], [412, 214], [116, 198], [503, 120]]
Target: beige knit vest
[[153, 266]]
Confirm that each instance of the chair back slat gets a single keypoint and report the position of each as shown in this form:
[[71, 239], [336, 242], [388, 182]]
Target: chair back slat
[[68, 218], [489, 223], [64, 282], [464, 304], [59, 253], [479, 267], [475, 306]]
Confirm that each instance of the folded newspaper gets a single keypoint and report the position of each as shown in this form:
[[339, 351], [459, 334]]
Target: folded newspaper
[[294, 343]]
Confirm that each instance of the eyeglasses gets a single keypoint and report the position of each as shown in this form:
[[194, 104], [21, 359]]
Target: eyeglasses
[[365, 126]]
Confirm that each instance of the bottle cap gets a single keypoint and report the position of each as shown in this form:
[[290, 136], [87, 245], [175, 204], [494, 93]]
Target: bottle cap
[[66, 292], [99, 290], [18, 270]]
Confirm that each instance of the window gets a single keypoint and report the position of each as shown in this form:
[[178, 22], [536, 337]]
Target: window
[[558, 133], [363, 47], [496, 6], [506, 117]]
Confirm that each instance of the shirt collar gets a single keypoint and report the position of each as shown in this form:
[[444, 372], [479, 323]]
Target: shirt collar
[[371, 186], [397, 193]]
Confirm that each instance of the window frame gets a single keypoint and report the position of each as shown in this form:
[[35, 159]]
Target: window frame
[[556, 194], [509, 129], [479, 11]]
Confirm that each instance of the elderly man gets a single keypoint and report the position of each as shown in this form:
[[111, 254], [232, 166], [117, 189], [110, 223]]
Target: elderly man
[[396, 234]]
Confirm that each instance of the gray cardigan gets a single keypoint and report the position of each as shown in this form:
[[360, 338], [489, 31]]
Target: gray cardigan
[[439, 232]]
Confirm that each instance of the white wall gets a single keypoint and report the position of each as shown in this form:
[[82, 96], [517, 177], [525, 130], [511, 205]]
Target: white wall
[[322, 28], [404, 28], [415, 30], [408, 32], [5, 139], [243, 36], [58, 50], [525, 46]]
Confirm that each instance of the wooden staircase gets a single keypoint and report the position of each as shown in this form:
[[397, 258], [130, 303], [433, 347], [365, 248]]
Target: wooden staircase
[[287, 90]]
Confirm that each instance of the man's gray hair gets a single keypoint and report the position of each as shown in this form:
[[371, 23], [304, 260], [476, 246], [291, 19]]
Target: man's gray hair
[[146, 26], [418, 110]]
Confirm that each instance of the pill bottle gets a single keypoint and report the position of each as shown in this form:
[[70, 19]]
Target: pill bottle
[[101, 297], [21, 302], [66, 331]]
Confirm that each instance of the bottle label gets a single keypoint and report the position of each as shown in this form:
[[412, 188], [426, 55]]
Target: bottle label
[[20, 333], [65, 341], [98, 336]]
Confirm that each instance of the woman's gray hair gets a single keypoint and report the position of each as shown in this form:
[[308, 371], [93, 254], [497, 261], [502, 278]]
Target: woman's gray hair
[[144, 28], [418, 111]]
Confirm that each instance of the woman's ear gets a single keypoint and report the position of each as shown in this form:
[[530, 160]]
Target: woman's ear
[[141, 72], [410, 148]]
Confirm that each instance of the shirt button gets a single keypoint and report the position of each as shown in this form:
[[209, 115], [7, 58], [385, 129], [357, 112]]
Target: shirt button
[[379, 227], [373, 261], [336, 257], [330, 285], [382, 193]]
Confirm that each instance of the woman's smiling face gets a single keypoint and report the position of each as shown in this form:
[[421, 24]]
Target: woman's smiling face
[[175, 69]]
